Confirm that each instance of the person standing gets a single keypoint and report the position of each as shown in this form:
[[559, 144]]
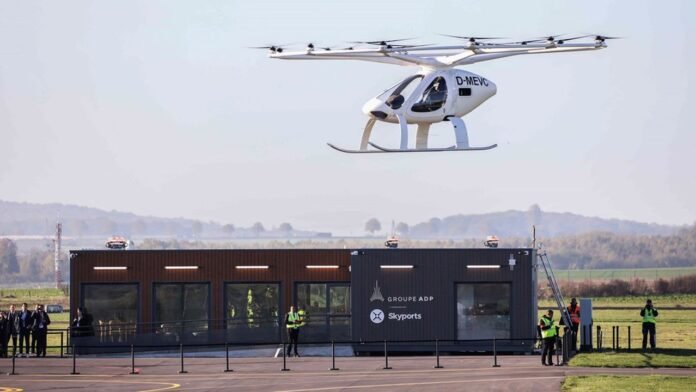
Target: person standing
[[574, 313], [4, 334], [40, 330], [293, 323], [13, 318], [548, 335], [648, 313], [25, 322]]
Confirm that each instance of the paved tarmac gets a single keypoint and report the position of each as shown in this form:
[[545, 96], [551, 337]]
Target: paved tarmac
[[459, 373]]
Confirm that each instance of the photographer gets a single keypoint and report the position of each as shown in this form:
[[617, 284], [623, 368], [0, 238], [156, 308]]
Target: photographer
[[648, 313]]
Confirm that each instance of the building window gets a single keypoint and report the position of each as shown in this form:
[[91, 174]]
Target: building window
[[114, 308], [328, 307], [181, 310], [252, 311], [483, 311]]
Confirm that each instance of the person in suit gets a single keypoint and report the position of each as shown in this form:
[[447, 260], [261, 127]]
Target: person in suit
[[4, 334], [13, 319], [25, 322], [39, 329], [82, 324]]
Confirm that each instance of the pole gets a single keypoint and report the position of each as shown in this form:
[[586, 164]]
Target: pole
[[613, 337], [599, 345], [386, 357], [618, 334], [558, 363], [133, 360], [181, 352], [333, 356], [14, 355], [629, 338], [61, 344], [495, 355], [227, 358], [284, 369], [437, 354], [74, 361]]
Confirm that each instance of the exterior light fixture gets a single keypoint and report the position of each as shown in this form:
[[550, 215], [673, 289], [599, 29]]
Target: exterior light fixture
[[111, 268], [251, 267], [512, 262], [486, 266], [396, 266], [321, 266], [181, 267]]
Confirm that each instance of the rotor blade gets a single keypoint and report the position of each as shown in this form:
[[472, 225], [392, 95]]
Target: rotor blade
[[604, 37], [380, 42], [469, 37]]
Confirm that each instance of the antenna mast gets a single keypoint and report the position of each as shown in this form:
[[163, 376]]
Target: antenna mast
[[58, 254]]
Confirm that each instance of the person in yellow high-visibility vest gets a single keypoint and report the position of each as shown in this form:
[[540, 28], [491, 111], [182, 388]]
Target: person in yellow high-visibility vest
[[293, 324], [648, 313], [303, 317], [548, 335]]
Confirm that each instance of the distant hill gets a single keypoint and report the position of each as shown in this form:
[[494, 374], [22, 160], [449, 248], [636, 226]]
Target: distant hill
[[519, 224], [39, 219]]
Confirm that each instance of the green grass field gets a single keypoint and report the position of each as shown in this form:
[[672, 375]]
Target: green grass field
[[627, 273], [674, 358], [628, 383]]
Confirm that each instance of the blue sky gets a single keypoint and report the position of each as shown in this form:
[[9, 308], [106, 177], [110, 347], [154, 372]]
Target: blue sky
[[159, 108]]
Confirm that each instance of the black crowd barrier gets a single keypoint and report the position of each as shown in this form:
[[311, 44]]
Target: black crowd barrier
[[387, 347]]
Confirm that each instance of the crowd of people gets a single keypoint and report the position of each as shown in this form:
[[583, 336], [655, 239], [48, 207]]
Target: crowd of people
[[26, 329]]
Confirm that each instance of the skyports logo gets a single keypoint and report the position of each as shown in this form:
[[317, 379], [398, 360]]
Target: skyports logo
[[377, 316], [405, 316]]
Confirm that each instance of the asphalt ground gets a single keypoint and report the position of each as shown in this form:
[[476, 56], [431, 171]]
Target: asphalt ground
[[459, 373]]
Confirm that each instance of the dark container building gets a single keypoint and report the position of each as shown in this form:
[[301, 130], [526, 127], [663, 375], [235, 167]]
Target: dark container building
[[462, 297]]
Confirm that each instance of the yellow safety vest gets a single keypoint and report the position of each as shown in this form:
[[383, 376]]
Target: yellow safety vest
[[648, 316], [292, 317], [547, 333], [303, 317]]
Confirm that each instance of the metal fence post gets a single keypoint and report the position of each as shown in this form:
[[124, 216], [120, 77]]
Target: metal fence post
[[61, 344], [613, 338], [333, 356], [227, 358], [599, 345], [618, 337], [181, 351], [284, 369], [386, 357], [558, 363], [629, 337], [495, 355], [132, 360], [14, 355], [74, 361], [437, 354]]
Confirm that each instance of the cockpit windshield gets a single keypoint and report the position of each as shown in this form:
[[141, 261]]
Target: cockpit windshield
[[433, 97], [395, 96]]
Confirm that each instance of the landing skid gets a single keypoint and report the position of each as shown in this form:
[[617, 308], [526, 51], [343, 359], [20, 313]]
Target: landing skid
[[443, 149], [350, 151]]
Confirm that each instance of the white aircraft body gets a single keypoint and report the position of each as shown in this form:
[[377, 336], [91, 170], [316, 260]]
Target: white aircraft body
[[438, 91]]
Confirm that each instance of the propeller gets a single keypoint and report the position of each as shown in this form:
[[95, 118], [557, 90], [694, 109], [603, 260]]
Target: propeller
[[272, 48], [470, 38], [386, 42], [602, 38]]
